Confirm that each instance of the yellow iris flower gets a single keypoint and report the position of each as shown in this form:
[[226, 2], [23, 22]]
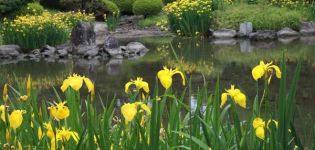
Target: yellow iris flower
[[65, 135], [59, 111], [130, 110], [139, 83], [16, 118], [165, 76], [259, 125], [76, 81], [49, 130], [265, 69], [237, 96], [23, 98], [5, 93], [2, 112]]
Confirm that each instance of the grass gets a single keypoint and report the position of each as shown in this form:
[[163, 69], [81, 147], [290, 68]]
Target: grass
[[151, 21], [168, 123], [262, 16]]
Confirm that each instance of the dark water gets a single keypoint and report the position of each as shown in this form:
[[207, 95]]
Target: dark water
[[231, 60]]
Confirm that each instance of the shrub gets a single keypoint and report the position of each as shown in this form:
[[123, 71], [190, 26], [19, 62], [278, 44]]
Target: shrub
[[147, 7], [152, 21], [35, 31], [189, 17], [9, 5], [167, 1], [70, 4], [102, 7], [263, 17], [125, 6], [32, 9]]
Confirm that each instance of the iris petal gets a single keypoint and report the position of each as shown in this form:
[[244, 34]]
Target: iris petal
[[258, 72], [223, 99]]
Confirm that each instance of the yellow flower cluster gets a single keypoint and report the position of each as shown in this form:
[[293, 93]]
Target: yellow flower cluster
[[37, 23], [163, 25], [289, 3], [179, 7]]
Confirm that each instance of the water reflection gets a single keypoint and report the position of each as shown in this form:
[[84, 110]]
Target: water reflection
[[203, 59]]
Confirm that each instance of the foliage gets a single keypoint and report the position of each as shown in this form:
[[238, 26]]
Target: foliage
[[159, 20], [147, 7], [262, 17], [156, 119], [32, 32], [32, 9], [9, 5], [102, 7], [70, 4], [189, 17], [167, 1], [125, 6], [112, 21]]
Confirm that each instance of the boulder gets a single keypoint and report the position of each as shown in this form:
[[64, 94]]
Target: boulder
[[62, 53], [307, 28], [287, 32], [48, 51], [134, 48], [111, 42], [83, 38], [83, 34], [33, 54], [113, 52], [10, 50], [245, 29], [224, 33], [263, 35], [91, 53]]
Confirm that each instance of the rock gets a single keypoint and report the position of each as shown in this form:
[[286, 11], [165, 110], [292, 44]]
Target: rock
[[224, 33], [287, 32], [210, 32], [113, 52], [134, 48], [33, 54], [83, 38], [228, 41], [62, 53], [111, 42], [263, 35], [10, 50], [91, 53], [82, 49], [245, 29], [307, 28], [83, 34], [48, 51]]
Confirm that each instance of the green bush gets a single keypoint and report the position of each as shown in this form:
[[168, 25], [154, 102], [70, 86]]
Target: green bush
[[9, 5], [147, 7], [167, 1], [152, 20], [262, 17], [32, 9], [125, 6], [102, 7], [70, 4]]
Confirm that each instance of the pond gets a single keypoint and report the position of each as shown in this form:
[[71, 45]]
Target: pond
[[230, 60]]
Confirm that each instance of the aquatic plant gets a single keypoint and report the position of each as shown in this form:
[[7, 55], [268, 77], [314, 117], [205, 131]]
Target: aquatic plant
[[35, 31], [150, 119]]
